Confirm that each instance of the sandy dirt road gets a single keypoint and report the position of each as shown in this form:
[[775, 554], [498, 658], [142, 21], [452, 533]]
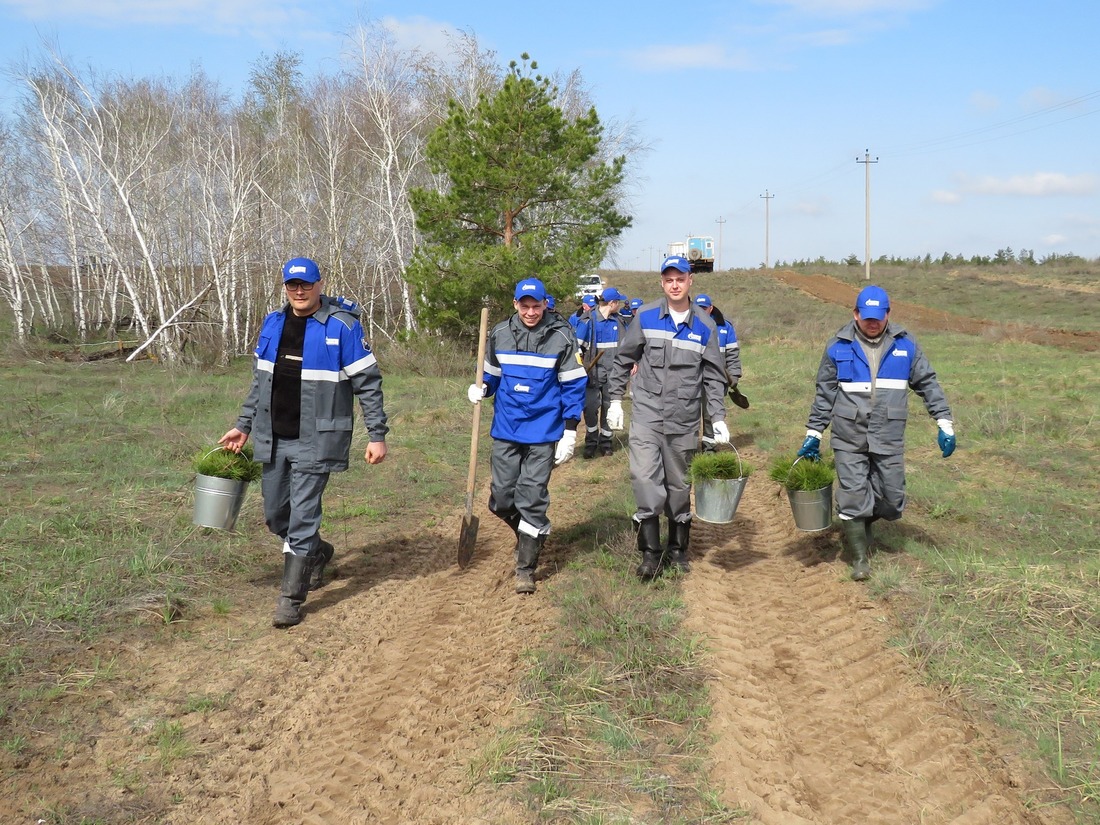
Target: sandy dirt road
[[373, 709]]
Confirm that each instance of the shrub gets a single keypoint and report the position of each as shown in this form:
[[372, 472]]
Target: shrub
[[707, 466], [802, 475], [222, 463]]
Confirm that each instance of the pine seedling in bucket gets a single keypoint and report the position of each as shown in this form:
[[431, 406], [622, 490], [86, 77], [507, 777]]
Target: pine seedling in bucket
[[719, 480], [809, 486], [221, 480]]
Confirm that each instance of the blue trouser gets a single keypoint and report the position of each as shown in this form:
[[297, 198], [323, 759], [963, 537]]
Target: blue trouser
[[292, 498], [658, 472], [869, 485], [520, 484]]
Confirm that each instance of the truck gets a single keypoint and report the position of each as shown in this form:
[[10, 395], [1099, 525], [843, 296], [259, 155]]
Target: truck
[[698, 249]]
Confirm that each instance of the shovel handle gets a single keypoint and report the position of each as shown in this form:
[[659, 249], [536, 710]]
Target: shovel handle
[[475, 429]]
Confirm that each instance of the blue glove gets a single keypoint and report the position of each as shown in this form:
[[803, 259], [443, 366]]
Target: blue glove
[[946, 442], [811, 448]]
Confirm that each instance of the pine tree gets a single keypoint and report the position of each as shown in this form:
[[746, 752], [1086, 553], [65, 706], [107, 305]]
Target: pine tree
[[525, 194]]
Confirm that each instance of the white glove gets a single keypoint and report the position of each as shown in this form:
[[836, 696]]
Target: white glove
[[564, 451], [615, 415], [475, 393], [947, 425], [721, 433]]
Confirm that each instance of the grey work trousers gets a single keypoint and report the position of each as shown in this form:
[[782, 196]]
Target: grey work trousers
[[597, 434], [292, 498], [520, 484], [869, 485], [658, 472]]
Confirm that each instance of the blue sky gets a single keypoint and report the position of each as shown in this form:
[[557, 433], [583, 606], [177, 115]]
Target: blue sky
[[984, 117]]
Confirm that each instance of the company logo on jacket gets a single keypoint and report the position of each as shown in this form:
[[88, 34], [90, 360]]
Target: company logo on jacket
[[521, 388]]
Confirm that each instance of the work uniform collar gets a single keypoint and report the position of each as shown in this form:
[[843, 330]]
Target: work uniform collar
[[665, 311]]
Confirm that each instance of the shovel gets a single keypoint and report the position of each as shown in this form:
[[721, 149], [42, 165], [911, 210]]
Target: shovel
[[467, 537]]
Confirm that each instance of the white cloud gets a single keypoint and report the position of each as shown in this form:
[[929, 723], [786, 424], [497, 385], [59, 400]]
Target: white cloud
[[1041, 98], [810, 208], [255, 14], [702, 56], [1055, 240], [1039, 184], [834, 8], [946, 196], [422, 33], [984, 102]]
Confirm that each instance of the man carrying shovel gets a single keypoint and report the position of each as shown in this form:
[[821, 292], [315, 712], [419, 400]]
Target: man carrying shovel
[[533, 370], [863, 386]]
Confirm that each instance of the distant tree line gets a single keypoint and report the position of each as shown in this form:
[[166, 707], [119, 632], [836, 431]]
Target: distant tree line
[[1002, 257], [165, 209]]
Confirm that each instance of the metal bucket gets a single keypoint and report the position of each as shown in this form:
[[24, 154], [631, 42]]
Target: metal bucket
[[812, 509], [716, 499], [218, 501]]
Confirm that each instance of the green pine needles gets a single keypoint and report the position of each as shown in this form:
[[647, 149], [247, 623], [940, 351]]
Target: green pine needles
[[222, 463], [718, 465], [803, 475]]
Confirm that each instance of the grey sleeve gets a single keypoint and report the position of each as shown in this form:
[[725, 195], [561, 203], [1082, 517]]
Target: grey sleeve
[[923, 381], [821, 410], [629, 352]]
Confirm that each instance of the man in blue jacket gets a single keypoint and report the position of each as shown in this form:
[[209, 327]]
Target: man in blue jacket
[[598, 337], [731, 354], [863, 386], [533, 370], [311, 362]]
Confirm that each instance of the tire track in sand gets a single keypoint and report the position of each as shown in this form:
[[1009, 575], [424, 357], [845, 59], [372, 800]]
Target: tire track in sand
[[417, 671], [816, 720]]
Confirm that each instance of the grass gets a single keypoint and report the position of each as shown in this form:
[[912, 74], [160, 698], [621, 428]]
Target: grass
[[616, 706], [992, 573]]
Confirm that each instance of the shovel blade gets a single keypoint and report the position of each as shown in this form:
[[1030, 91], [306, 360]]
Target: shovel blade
[[467, 540]]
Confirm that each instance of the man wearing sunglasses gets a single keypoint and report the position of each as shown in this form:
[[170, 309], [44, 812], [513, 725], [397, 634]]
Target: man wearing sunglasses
[[312, 361]]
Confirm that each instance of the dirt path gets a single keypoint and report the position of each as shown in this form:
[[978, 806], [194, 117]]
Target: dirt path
[[817, 719], [830, 289], [373, 709]]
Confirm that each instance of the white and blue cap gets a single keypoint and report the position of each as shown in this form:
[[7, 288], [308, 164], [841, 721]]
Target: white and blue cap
[[611, 294], [636, 302], [873, 303], [301, 269], [677, 262], [531, 288], [589, 300], [703, 300], [550, 302]]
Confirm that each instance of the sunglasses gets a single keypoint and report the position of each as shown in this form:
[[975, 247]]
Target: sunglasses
[[293, 286]]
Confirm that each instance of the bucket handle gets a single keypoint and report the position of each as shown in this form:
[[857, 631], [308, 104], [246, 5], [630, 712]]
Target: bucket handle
[[740, 466]]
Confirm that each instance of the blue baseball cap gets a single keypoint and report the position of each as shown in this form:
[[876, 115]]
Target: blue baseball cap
[[873, 303], [589, 300], [531, 288], [301, 269], [677, 262], [550, 302], [636, 302], [703, 300], [611, 294]]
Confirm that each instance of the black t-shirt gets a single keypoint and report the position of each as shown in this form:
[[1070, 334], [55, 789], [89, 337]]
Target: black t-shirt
[[286, 381]]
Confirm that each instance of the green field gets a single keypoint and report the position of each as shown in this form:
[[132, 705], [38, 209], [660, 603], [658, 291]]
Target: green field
[[994, 583]]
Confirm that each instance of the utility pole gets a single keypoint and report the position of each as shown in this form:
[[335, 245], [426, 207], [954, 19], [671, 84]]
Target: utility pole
[[720, 221], [767, 221], [867, 199]]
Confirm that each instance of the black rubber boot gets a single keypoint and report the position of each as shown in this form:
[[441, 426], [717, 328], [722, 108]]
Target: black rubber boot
[[679, 535], [855, 534], [649, 544], [527, 559], [318, 559], [293, 595]]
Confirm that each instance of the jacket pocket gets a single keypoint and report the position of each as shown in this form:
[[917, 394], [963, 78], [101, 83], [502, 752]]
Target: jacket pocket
[[844, 368]]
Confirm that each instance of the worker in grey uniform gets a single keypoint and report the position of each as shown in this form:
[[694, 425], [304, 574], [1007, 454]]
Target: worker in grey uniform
[[863, 386], [532, 369], [311, 362], [680, 372], [731, 354]]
